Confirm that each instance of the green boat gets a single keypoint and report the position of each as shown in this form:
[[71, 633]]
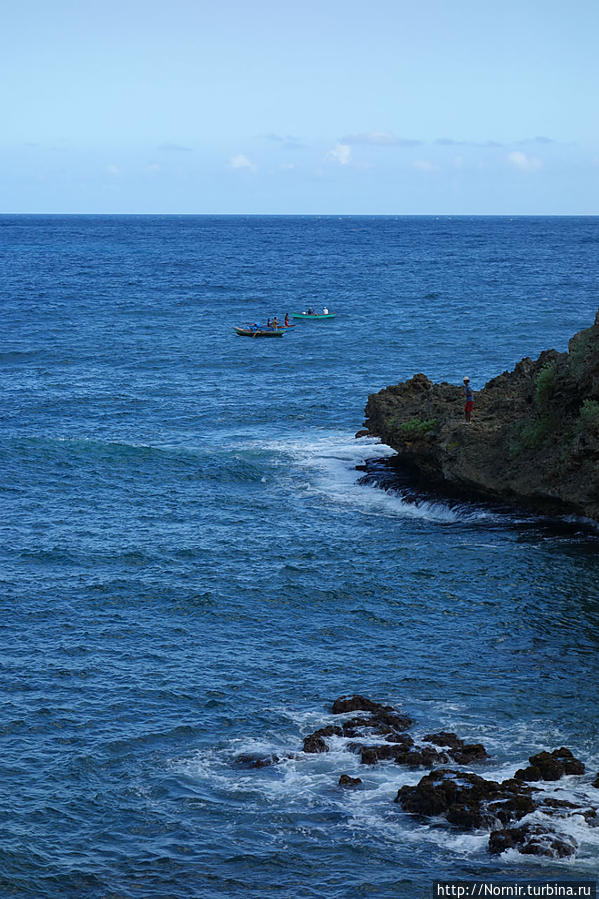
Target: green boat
[[313, 315]]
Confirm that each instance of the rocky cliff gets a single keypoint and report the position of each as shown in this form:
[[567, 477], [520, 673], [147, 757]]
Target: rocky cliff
[[533, 439]]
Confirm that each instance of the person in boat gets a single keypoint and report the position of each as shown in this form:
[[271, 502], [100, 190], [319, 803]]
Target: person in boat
[[286, 319], [469, 399], [275, 322], [325, 311], [311, 311], [268, 323]]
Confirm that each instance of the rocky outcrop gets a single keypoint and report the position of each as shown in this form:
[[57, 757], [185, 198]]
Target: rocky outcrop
[[346, 781], [533, 439], [550, 766], [466, 800]]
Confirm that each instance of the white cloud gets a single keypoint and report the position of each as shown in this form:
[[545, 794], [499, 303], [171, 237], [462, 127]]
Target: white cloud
[[423, 165], [152, 168], [240, 161], [174, 148], [523, 162], [287, 166], [113, 170], [341, 153], [287, 140], [380, 139]]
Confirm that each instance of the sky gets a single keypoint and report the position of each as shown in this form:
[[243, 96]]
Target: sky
[[333, 107]]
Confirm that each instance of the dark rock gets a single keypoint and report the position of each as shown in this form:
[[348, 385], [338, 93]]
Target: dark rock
[[461, 752], [355, 725], [512, 808], [404, 739], [331, 730], [533, 438], [532, 839], [551, 765], [423, 757], [500, 840], [529, 773], [403, 754], [467, 816], [445, 738], [512, 785], [556, 804], [596, 782], [315, 743], [540, 841], [439, 790], [394, 721], [355, 703], [466, 800], [468, 753], [355, 747], [247, 760], [346, 781], [384, 718], [373, 754], [363, 432]]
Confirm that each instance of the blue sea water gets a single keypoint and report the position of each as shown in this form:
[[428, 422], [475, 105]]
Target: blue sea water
[[191, 567]]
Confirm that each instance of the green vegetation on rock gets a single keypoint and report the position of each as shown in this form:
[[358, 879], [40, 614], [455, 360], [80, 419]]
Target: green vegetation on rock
[[589, 416], [534, 435], [545, 385], [416, 427]]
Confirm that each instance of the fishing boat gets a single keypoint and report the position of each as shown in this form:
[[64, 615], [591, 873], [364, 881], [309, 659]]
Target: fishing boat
[[313, 315], [258, 331]]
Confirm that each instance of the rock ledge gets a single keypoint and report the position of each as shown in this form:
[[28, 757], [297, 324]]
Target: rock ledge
[[533, 440]]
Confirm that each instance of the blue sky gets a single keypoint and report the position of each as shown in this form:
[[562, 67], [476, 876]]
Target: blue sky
[[321, 107]]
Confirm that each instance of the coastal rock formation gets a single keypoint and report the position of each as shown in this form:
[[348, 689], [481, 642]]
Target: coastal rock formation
[[550, 766], [346, 781], [467, 801], [533, 439]]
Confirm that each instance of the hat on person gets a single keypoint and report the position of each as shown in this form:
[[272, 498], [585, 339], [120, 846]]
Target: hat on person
[[466, 378]]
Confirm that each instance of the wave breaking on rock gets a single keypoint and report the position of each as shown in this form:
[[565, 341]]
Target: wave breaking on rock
[[533, 440]]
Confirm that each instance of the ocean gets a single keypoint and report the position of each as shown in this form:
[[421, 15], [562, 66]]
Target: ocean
[[194, 563]]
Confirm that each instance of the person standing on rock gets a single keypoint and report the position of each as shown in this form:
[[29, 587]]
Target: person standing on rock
[[469, 398]]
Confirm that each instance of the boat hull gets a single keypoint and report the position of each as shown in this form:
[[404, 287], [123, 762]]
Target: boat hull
[[315, 316], [248, 332]]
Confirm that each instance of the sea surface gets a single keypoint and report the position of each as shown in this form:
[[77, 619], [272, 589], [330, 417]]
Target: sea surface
[[193, 568]]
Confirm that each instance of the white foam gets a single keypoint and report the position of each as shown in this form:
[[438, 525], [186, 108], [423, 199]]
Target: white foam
[[328, 467], [306, 782]]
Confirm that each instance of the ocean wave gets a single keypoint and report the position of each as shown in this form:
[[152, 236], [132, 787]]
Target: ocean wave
[[304, 787]]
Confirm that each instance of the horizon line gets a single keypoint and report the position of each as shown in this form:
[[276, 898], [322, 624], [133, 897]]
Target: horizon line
[[319, 214]]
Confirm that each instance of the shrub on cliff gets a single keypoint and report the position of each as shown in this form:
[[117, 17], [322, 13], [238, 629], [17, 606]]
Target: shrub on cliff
[[589, 416], [545, 385], [416, 427]]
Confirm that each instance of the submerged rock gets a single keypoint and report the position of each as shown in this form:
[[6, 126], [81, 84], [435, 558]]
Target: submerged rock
[[533, 839], [550, 766], [533, 439], [461, 752], [464, 799], [247, 760], [384, 715], [346, 781], [447, 790]]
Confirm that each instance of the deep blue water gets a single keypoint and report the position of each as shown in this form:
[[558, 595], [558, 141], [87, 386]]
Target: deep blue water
[[190, 567]]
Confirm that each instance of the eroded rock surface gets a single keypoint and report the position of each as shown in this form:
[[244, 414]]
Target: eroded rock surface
[[533, 439]]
